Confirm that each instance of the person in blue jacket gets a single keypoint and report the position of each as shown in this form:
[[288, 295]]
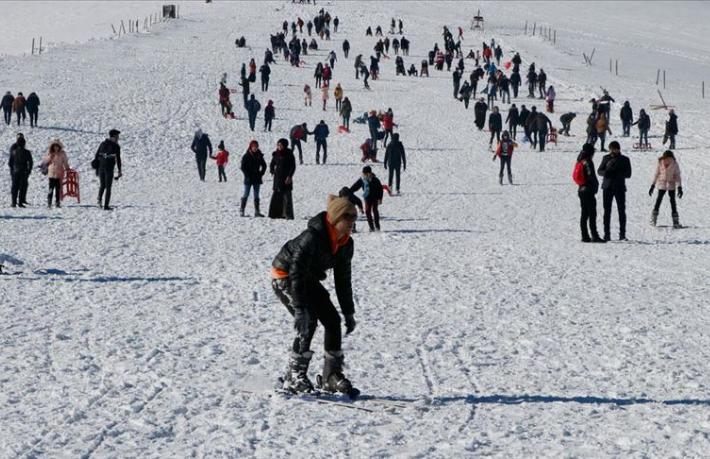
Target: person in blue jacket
[[253, 107], [320, 133]]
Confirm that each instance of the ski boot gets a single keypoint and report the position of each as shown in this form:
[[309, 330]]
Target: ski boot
[[510, 178], [333, 379], [242, 207], [654, 217], [257, 213], [296, 379], [500, 179]]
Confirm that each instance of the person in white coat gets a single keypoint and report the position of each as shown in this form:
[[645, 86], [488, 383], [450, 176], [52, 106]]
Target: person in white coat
[[667, 180]]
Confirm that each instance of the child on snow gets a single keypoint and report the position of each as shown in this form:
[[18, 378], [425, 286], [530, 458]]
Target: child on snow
[[222, 158], [372, 192], [307, 96]]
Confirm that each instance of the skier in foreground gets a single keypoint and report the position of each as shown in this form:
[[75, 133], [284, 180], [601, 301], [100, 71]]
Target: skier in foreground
[[297, 272]]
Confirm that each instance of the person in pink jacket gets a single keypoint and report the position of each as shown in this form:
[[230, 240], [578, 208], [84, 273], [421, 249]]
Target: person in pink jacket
[[550, 97], [666, 180], [56, 163], [324, 94]]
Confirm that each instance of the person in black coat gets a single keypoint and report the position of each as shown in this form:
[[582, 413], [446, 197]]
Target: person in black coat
[[372, 192], [542, 127], [269, 115], [465, 93], [566, 121], [202, 147], [523, 118], [513, 119], [297, 272], [615, 168], [644, 124], [108, 156], [495, 125], [32, 105], [586, 192], [671, 129], [515, 83], [282, 167], [253, 107], [265, 72], [320, 134], [6, 104], [253, 167], [479, 111], [346, 48], [627, 118], [20, 164], [395, 160], [456, 79]]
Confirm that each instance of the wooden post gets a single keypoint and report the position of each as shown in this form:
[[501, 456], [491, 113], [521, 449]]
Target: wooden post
[[554, 37], [123, 28], [526, 27], [658, 76], [33, 46], [664, 79], [40, 45], [703, 90], [616, 63], [534, 27], [609, 65], [114, 29]]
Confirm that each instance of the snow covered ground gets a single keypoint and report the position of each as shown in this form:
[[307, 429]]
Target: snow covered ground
[[152, 330]]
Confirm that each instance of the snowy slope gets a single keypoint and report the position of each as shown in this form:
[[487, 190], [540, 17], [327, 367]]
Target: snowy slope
[[152, 331]]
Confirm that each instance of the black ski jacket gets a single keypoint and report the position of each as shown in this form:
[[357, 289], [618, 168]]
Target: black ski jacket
[[307, 257], [615, 170], [109, 155], [283, 165], [20, 162], [254, 167]]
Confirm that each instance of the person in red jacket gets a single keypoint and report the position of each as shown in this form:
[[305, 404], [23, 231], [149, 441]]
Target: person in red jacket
[[505, 153], [368, 153], [487, 53], [388, 125], [222, 158], [224, 99]]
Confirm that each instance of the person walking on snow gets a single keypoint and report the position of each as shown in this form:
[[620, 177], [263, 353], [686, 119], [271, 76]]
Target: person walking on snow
[[33, 108], [615, 169], [667, 180], [644, 124], [6, 104], [222, 158], [372, 193], [253, 107], [495, 125], [504, 152], [479, 111], [108, 156], [253, 167], [345, 111], [20, 164], [324, 95], [671, 128], [265, 72], [18, 106], [282, 167], [395, 159], [297, 273], [307, 96], [320, 134], [513, 119], [627, 118], [269, 115], [550, 98]]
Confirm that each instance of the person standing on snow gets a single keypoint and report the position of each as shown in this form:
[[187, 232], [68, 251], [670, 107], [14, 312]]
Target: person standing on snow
[[615, 168], [253, 167], [20, 164], [345, 110], [550, 98], [372, 193], [644, 124], [221, 158], [373, 124], [395, 160], [588, 185], [513, 119], [627, 118], [269, 115], [297, 273], [671, 128], [253, 107], [18, 106], [479, 111], [320, 134], [495, 125], [108, 156], [504, 151], [265, 72], [6, 104], [282, 167], [667, 180], [33, 108], [202, 147], [57, 164]]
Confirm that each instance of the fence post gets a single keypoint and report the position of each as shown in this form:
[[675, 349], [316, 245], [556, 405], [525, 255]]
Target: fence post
[[526, 27], [610, 65], [664, 79], [658, 76], [40, 45], [703, 90], [534, 27], [554, 37], [616, 63], [33, 46]]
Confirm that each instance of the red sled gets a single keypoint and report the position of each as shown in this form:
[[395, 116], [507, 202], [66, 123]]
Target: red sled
[[387, 189], [343, 130], [70, 185], [507, 65]]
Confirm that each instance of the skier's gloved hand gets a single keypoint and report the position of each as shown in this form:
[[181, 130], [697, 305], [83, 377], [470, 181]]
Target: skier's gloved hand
[[349, 324], [650, 190], [680, 192], [302, 318]]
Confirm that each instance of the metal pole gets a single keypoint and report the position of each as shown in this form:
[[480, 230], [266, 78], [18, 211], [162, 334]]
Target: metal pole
[[609, 65]]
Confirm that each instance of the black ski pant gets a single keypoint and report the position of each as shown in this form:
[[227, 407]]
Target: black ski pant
[[513, 130], [321, 144], [8, 115], [220, 172], [55, 186], [201, 159], [602, 140], [265, 84], [394, 174], [659, 199], [296, 143], [608, 196], [338, 104], [541, 139], [503, 94], [252, 122], [565, 128], [494, 133], [346, 121], [318, 81], [371, 210], [267, 124], [626, 126], [588, 218], [643, 137], [21, 114], [515, 91], [105, 182], [33, 117], [505, 163], [19, 189], [320, 309]]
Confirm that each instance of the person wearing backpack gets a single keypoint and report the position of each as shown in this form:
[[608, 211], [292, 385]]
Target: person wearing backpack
[[615, 168], [585, 177], [666, 180], [56, 164], [505, 153], [372, 192]]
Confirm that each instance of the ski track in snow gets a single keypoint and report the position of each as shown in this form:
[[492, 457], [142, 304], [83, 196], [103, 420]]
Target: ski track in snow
[[484, 327]]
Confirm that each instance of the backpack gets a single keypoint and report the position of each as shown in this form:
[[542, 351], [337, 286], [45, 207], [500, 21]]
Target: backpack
[[578, 173]]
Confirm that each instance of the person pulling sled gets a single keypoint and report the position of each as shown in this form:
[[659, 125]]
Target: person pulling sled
[[297, 273]]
